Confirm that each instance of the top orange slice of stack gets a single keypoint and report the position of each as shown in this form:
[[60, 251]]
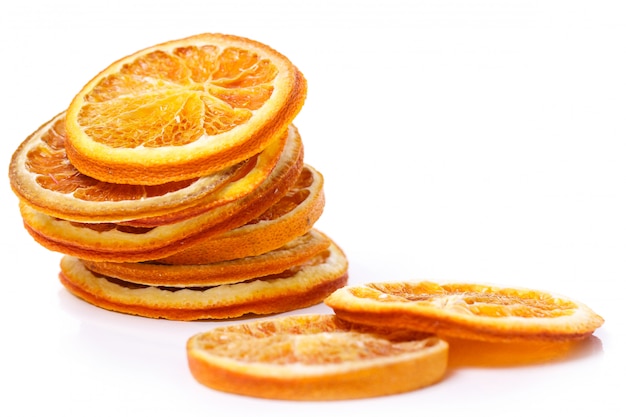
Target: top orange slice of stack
[[182, 109]]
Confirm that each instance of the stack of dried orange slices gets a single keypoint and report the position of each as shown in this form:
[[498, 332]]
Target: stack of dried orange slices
[[175, 185]]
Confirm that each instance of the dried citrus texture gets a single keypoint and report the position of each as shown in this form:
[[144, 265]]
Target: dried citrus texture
[[465, 310], [279, 260], [298, 287], [292, 216], [314, 357], [42, 175], [123, 243], [182, 109]]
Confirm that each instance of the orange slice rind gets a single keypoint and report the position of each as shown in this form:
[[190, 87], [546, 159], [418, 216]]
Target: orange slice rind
[[292, 216], [182, 109], [279, 260], [314, 357], [467, 311], [300, 286]]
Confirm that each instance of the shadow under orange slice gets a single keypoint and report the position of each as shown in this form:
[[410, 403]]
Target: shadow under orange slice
[[471, 353]]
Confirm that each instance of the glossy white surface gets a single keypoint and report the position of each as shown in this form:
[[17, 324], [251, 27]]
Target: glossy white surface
[[460, 140]]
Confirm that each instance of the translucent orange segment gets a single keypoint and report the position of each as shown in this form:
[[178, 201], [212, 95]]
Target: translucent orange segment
[[220, 117], [53, 170], [159, 65], [201, 61], [120, 85], [237, 68], [251, 98]]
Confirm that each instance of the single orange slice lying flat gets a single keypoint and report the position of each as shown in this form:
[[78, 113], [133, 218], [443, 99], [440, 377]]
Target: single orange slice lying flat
[[314, 357], [182, 109], [466, 310]]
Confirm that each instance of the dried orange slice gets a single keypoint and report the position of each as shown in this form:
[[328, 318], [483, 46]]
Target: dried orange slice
[[123, 243], [467, 311], [292, 216], [314, 357], [41, 174], [300, 286], [182, 109], [294, 253]]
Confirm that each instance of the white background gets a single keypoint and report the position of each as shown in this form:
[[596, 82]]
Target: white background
[[460, 140]]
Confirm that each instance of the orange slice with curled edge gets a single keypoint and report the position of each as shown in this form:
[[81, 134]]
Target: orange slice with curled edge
[[298, 287], [294, 253], [315, 357], [292, 216], [467, 311], [182, 109], [122, 243], [42, 175]]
